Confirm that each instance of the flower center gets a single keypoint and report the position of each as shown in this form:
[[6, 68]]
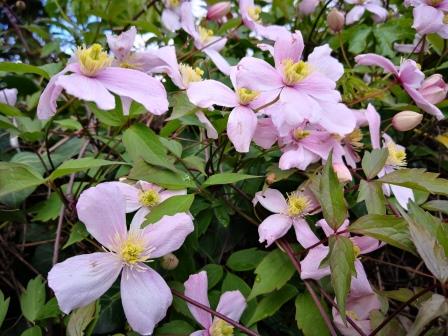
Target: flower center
[[434, 2], [93, 59], [297, 205], [355, 138], [397, 157], [190, 74], [149, 198], [173, 3], [295, 72], [221, 328], [247, 95], [300, 134], [132, 250], [254, 13], [205, 34], [352, 314]]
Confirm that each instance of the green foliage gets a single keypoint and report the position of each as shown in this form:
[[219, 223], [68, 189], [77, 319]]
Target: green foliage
[[308, 317]]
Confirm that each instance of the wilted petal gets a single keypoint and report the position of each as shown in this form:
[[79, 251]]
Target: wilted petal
[[196, 288], [274, 227], [241, 127], [271, 199], [82, 279], [210, 92], [305, 236], [145, 297], [232, 305]]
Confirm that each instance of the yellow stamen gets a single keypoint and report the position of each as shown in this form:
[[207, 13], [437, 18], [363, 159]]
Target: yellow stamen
[[190, 74], [300, 134], [254, 13], [149, 198], [295, 72], [221, 328], [356, 250], [205, 34], [173, 3], [397, 157], [131, 250], [246, 95], [352, 314], [445, 21], [298, 205], [93, 59], [355, 139]]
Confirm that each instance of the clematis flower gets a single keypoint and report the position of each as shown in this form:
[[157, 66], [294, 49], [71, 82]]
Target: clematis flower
[[92, 78], [250, 14], [372, 6], [287, 212], [306, 90], [395, 160], [171, 15], [311, 263], [308, 7], [204, 40], [265, 134], [8, 96], [428, 19], [408, 75], [242, 119], [82, 279], [231, 304], [143, 196], [434, 89], [218, 11], [439, 4]]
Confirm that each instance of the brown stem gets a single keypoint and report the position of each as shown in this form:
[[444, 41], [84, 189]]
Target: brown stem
[[214, 313]]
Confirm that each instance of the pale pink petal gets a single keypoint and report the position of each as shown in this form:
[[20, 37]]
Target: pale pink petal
[[200, 333], [402, 194], [288, 47], [299, 158], [308, 6], [196, 288], [170, 20], [210, 129], [271, 199], [337, 118], [232, 305], [410, 74], [374, 121], [126, 105], [354, 14], [271, 32], [310, 264], [241, 127], [360, 285], [145, 297], [8, 96], [274, 227], [130, 193], [424, 104], [82, 279], [320, 87], [379, 13], [298, 106], [162, 60], [427, 19], [322, 60], [377, 60], [210, 92], [328, 230], [187, 20], [305, 236], [168, 234], [366, 244], [257, 74], [139, 218], [170, 193], [265, 134], [121, 44], [103, 211], [220, 62], [137, 85]]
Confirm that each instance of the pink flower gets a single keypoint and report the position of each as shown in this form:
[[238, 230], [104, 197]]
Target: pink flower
[[287, 212], [311, 263], [434, 89], [265, 134], [231, 304], [242, 119], [408, 75], [171, 15], [92, 78], [372, 6], [439, 4], [8, 96], [396, 159], [82, 279], [218, 11], [204, 40], [428, 19], [308, 7], [250, 13], [143, 196], [306, 90]]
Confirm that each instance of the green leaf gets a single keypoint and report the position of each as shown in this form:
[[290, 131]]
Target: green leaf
[[77, 165], [141, 142], [16, 176], [181, 106], [34, 331], [4, 304], [214, 274], [437, 205], [342, 265], [390, 229], [22, 68], [48, 209], [272, 273], [173, 146], [245, 260], [195, 163], [33, 299], [431, 309], [331, 196], [173, 328], [308, 317], [69, 124], [9, 110], [372, 195], [416, 178], [358, 38], [113, 117], [270, 304], [51, 309], [233, 282], [373, 162], [169, 207], [80, 318], [226, 178], [77, 234]]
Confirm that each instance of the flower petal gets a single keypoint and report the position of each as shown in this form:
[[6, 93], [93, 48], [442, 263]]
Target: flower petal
[[232, 305], [170, 193], [130, 193], [103, 210], [210, 129], [402, 194], [265, 134], [139, 218], [168, 234], [210, 92], [121, 44], [220, 62], [241, 127], [322, 60], [145, 297], [377, 60], [379, 13], [299, 158], [196, 288], [354, 15], [310, 264], [360, 285], [424, 104], [305, 236], [337, 118], [82, 279], [256, 74], [271, 199], [288, 47], [374, 122], [170, 20], [8, 96], [274, 227]]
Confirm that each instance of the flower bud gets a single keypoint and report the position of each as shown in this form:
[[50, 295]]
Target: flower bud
[[406, 120], [218, 10], [270, 178], [434, 89], [169, 262], [335, 20], [342, 172]]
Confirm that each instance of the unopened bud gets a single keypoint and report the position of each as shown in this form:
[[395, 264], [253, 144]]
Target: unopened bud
[[270, 178], [406, 120], [217, 11], [20, 5], [336, 20], [434, 89], [342, 172], [169, 262]]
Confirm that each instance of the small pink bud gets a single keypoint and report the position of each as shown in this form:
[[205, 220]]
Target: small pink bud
[[169, 262], [434, 89], [217, 11], [270, 178], [406, 120], [336, 20], [342, 172]]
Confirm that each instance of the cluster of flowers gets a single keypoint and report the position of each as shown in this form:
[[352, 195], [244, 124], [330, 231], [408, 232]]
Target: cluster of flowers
[[294, 104]]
